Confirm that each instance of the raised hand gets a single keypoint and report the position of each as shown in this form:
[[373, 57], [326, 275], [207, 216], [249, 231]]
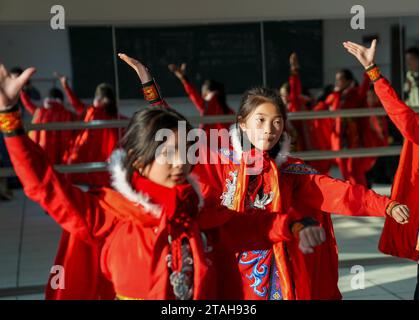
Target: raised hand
[[11, 86], [364, 55], [63, 79], [139, 68], [311, 237], [294, 62], [400, 213], [179, 72]]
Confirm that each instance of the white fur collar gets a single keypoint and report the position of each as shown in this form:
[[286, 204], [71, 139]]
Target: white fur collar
[[119, 183], [282, 155]]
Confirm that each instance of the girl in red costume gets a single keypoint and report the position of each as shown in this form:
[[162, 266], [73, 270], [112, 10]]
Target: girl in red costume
[[53, 110], [72, 251], [311, 134], [324, 260], [92, 145], [375, 128], [301, 192], [397, 240], [256, 173], [88, 145], [211, 101], [291, 95], [346, 132], [148, 226]]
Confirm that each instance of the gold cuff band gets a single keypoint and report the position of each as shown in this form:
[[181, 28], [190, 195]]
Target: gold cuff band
[[11, 122], [296, 228], [151, 92], [373, 73]]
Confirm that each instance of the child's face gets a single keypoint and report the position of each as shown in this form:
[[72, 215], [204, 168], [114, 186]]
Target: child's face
[[206, 94], [264, 126], [97, 102], [341, 82], [412, 62], [170, 166]]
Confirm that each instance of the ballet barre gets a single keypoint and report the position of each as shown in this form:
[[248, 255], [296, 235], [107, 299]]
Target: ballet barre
[[305, 155], [123, 123]]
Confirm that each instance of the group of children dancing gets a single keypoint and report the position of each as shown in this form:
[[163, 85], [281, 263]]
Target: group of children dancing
[[246, 221]]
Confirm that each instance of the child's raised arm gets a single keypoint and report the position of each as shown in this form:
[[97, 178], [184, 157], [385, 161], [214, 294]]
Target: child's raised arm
[[405, 119], [149, 86], [78, 212], [190, 89], [77, 104]]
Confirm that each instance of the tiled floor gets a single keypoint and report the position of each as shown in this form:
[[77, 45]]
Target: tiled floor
[[27, 251], [390, 282], [386, 278]]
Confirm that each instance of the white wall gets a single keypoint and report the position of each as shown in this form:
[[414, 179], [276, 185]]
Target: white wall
[[197, 11], [36, 46], [336, 57]]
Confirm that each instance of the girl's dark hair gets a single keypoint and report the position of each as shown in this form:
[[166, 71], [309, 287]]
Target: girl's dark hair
[[253, 98], [213, 85], [325, 92], [139, 140], [105, 90], [413, 51], [56, 93], [347, 74]]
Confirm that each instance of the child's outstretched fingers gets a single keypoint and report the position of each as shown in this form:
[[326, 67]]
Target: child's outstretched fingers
[[133, 63], [179, 72], [364, 55], [61, 78], [10, 86], [139, 68]]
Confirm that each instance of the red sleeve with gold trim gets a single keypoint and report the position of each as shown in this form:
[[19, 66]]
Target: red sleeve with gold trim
[[336, 196], [405, 119], [152, 94]]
